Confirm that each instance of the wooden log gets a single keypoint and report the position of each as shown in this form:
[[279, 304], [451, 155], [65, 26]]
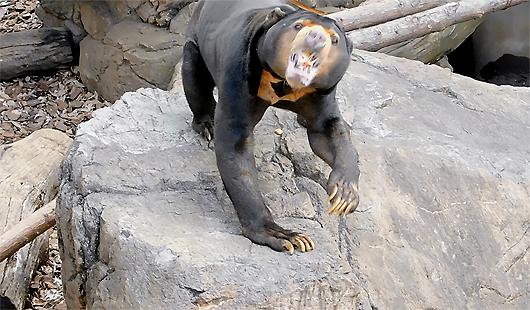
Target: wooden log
[[420, 24], [29, 178], [27, 230], [374, 12], [32, 51], [432, 47]]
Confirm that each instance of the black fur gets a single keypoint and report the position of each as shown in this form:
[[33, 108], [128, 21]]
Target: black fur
[[229, 45]]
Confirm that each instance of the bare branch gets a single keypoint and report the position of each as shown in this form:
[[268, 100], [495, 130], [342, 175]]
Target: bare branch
[[419, 24], [374, 12], [26, 230]]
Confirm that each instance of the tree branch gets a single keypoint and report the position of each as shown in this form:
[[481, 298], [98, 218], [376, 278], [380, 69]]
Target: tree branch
[[420, 24], [374, 12], [26, 230]]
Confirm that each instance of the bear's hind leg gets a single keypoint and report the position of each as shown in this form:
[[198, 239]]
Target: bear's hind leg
[[198, 87]]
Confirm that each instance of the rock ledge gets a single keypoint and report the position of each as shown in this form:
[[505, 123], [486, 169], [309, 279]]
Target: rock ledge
[[443, 222]]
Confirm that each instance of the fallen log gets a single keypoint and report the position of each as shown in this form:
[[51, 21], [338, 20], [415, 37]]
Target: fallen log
[[374, 12], [27, 230], [433, 46], [422, 23], [29, 179], [32, 51]]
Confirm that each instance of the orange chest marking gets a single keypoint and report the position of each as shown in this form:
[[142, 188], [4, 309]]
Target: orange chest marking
[[267, 93]]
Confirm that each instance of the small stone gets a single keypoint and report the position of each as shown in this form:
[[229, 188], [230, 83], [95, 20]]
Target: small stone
[[83, 117], [145, 11], [4, 96], [52, 109], [11, 104], [76, 104], [74, 93], [62, 105], [31, 112], [42, 85], [13, 115], [24, 116], [278, 131], [13, 91], [33, 102], [40, 120], [60, 125], [48, 125], [6, 127], [3, 11], [34, 126], [8, 134], [23, 131], [89, 105]]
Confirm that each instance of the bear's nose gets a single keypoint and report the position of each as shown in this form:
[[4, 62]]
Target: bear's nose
[[316, 39]]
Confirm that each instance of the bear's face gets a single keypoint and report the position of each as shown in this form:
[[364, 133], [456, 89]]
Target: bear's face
[[307, 50]]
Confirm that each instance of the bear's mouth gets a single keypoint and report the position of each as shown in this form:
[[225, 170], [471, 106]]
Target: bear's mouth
[[302, 67]]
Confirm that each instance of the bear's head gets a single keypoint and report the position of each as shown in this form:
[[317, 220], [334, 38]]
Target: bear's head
[[306, 50]]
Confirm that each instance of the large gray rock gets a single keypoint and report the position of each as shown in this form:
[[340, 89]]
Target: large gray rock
[[131, 55], [124, 45], [443, 221]]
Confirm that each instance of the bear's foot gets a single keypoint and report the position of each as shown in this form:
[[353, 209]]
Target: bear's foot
[[343, 195], [279, 239], [203, 125]]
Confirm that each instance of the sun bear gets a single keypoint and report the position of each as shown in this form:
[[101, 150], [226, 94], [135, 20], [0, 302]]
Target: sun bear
[[261, 54]]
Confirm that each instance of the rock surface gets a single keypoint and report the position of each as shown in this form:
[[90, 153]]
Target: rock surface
[[119, 41], [29, 178], [443, 222], [131, 55]]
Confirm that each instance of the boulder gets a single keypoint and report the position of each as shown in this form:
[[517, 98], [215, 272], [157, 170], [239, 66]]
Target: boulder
[[29, 178], [443, 223], [119, 41], [160, 12], [131, 55]]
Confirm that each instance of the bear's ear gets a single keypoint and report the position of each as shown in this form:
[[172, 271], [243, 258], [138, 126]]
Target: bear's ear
[[277, 14], [349, 44]]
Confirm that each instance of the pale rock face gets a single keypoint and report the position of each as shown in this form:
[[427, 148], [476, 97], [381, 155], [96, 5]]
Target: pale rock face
[[443, 221]]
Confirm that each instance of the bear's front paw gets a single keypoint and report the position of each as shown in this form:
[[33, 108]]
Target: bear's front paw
[[203, 125], [343, 195], [279, 239]]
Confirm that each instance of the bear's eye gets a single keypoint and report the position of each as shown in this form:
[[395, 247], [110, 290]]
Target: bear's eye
[[298, 26], [334, 40]]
